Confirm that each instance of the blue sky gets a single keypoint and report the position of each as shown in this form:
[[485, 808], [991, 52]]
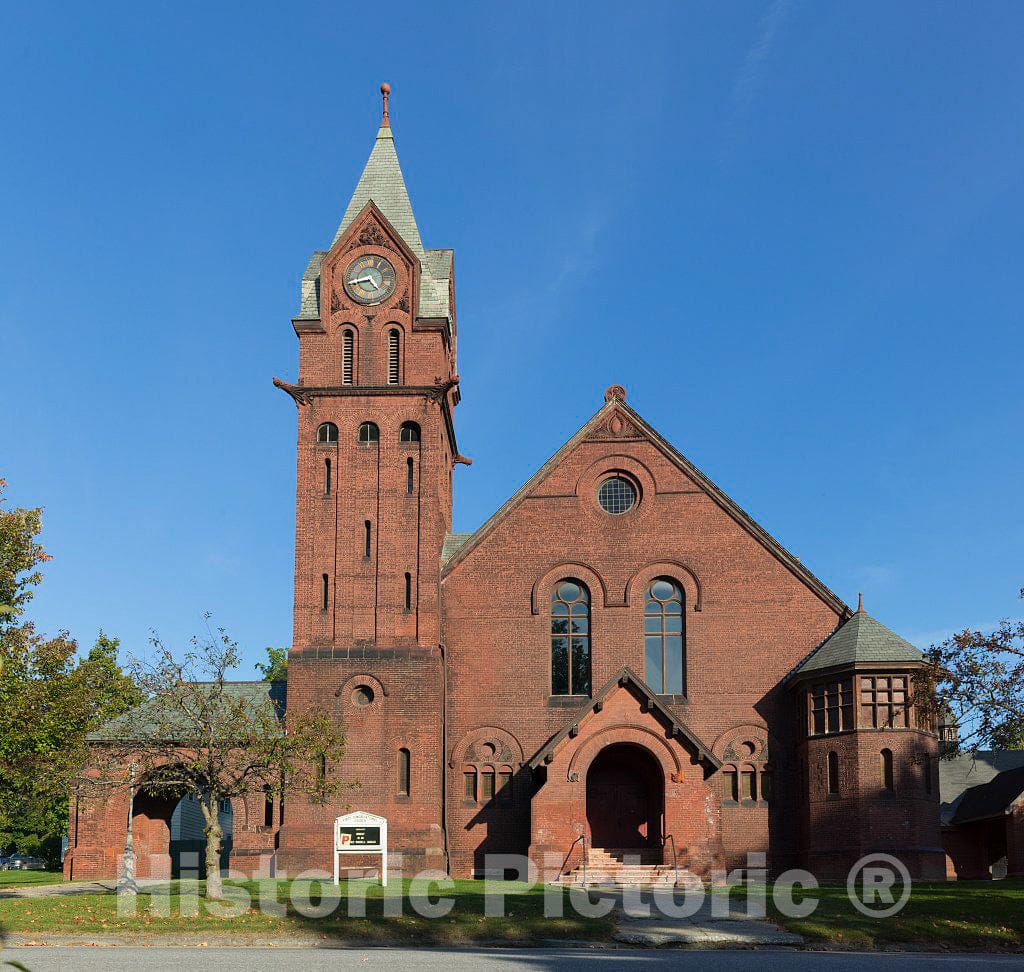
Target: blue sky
[[793, 231]]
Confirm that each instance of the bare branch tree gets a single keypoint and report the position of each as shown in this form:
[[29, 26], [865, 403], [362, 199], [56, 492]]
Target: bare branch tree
[[202, 735]]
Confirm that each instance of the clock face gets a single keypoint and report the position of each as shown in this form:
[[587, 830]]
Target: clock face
[[370, 279]]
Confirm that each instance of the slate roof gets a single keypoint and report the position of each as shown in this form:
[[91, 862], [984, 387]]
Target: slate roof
[[452, 544], [674, 456], [860, 639], [142, 720], [974, 786], [383, 184]]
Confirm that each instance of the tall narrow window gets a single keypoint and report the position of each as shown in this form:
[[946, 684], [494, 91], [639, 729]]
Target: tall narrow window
[[327, 477], [570, 639], [409, 432], [393, 356], [408, 475], [327, 432], [368, 432], [487, 784], [348, 342], [408, 591], [268, 807], [367, 537], [833, 773], [748, 789], [323, 605], [885, 769], [469, 786], [730, 784], [664, 641], [504, 786], [403, 772]]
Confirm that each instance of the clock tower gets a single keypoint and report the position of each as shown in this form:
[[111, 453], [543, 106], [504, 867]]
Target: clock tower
[[375, 394]]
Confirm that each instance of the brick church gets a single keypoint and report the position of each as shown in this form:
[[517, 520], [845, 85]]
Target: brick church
[[619, 661]]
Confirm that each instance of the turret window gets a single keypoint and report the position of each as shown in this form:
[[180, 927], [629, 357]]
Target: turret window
[[393, 360], [328, 432], [409, 432], [883, 702], [368, 432], [831, 707], [833, 774], [885, 770], [348, 344], [570, 639]]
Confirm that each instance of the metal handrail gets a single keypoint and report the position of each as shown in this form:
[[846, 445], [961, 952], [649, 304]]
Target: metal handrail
[[582, 839], [675, 854]]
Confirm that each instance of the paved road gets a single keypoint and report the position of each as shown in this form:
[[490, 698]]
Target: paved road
[[158, 959]]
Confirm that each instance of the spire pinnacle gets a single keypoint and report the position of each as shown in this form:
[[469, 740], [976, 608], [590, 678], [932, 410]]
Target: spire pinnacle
[[385, 90], [860, 603]]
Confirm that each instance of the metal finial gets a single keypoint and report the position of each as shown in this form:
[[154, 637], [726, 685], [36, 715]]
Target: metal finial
[[860, 603], [385, 90]]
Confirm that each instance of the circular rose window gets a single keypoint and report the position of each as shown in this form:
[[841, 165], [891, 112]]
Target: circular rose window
[[616, 495]]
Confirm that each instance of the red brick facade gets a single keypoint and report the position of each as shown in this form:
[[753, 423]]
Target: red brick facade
[[445, 650]]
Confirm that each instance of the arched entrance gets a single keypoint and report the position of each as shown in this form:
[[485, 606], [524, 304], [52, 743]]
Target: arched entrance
[[168, 834], [625, 798]]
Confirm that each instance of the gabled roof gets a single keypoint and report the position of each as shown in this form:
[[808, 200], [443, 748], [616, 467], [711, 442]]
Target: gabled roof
[[860, 639], [970, 773], [626, 676], [991, 799], [614, 403], [146, 718]]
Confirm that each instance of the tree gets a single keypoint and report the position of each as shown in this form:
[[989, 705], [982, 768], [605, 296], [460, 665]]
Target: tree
[[276, 667], [49, 697], [977, 679], [199, 734]]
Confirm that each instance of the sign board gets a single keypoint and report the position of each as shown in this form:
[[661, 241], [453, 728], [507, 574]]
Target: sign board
[[361, 833]]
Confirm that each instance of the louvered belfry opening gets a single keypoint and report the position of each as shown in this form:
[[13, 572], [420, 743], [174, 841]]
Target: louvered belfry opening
[[393, 356], [347, 357]]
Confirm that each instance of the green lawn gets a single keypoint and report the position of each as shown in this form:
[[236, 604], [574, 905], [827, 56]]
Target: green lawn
[[984, 915], [166, 909], [22, 879]]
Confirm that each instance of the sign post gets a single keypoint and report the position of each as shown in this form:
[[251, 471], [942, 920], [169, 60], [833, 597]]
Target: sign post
[[361, 833]]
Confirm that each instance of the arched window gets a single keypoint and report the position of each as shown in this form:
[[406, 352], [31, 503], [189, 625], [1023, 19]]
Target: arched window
[[570, 638], [885, 769], [393, 356], [367, 539], [833, 773], [408, 591], [664, 639], [327, 477], [404, 769], [328, 432], [348, 347], [368, 432], [409, 432], [326, 592]]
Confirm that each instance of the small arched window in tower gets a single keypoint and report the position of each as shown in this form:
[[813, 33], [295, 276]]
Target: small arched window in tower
[[408, 591], [368, 432], [328, 432], [885, 770], [409, 432], [408, 475], [748, 784], [348, 346], [570, 638], [730, 784], [833, 773], [404, 767], [393, 356], [664, 638], [326, 592], [367, 537], [327, 477]]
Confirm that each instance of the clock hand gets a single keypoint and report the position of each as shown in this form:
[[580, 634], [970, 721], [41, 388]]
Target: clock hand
[[360, 280]]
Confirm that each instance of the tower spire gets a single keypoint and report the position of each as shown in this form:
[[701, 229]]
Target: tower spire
[[385, 90], [860, 603]]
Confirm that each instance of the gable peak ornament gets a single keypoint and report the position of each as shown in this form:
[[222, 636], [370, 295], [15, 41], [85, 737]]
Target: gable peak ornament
[[615, 392], [385, 91]]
